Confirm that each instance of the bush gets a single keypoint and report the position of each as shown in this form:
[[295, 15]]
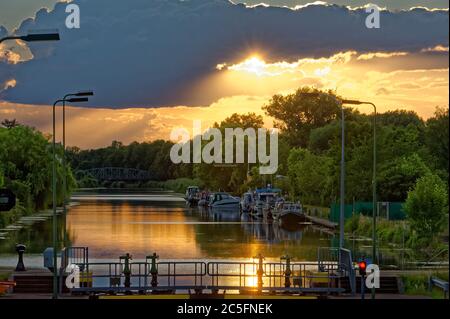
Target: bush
[[352, 224], [10, 217], [418, 284], [427, 208]]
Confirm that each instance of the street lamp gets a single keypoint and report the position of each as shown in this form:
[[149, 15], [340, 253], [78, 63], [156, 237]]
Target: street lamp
[[31, 37], [55, 278], [374, 182], [78, 94], [341, 102]]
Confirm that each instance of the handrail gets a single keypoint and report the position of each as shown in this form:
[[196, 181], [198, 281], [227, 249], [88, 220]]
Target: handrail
[[201, 275], [440, 284], [174, 275]]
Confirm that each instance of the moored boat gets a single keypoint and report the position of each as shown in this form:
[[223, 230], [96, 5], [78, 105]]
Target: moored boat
[[265, 200], [247, 203], [289, 213], [192, 195], [203, 199], [223, 200]]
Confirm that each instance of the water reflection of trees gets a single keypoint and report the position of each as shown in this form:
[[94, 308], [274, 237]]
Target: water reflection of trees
[[37, 237], [232, 234]]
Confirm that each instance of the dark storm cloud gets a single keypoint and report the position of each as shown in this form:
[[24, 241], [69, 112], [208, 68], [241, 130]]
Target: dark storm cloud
[[147, 53]]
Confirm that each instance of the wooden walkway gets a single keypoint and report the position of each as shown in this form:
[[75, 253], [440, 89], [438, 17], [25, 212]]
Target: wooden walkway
[[322, 222]]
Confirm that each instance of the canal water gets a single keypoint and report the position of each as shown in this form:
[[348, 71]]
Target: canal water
[[140, 222]]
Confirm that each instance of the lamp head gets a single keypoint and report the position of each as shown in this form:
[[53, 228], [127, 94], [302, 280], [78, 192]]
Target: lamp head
[[84, 93], [41, 37], [77, 99], [353, 102]]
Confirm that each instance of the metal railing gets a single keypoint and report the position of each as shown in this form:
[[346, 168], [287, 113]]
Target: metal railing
[[191, 272], [275, 276], [75, 255], [154, 275], [241, 276]]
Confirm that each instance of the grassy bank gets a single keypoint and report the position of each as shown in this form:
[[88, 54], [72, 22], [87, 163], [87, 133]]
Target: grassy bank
[[395, 232], [418, 284]]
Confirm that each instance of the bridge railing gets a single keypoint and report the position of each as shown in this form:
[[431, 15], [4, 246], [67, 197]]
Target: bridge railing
[[117, 174]]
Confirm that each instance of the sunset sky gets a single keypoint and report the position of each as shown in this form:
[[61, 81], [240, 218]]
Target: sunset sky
[[157, 65]]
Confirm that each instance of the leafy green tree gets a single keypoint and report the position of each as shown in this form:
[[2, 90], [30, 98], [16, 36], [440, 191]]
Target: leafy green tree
[[296, 115], [437, 132], [427, 208], [401, 118], [400, 175], [2, 178], [310, 177], [26, 160], [231, 178]]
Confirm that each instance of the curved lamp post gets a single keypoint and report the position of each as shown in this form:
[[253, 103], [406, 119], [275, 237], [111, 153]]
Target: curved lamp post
[[78, 94], [55, 278], [64, 161], [341, 102], [374, 183]]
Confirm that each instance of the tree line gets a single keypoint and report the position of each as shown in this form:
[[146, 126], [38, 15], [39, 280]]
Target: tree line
[[408, 148]]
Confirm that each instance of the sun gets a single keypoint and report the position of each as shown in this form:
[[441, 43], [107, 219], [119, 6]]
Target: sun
[[252, 65]]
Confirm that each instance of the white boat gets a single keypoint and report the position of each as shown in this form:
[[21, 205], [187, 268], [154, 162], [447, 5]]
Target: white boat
[[265, 200], [247, 202], [192, 195], [223, 200]]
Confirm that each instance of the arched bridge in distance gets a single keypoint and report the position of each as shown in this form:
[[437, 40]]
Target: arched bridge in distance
[[115, 174]]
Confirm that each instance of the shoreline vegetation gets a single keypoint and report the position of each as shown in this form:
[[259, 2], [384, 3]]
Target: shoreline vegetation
[[412, 164], [26, 169]]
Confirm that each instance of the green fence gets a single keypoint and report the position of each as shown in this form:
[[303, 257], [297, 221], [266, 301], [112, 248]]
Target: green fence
[[387, 210]]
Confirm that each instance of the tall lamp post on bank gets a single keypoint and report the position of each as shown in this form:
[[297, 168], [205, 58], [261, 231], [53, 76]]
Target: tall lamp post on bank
[[374, 182], [55, 264], [78, 94], [341, 103]]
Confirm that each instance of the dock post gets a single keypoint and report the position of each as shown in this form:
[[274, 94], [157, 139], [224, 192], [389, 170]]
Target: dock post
[[287, 271], [260, 272], [127, 270], [20, 248], [154, 269]]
